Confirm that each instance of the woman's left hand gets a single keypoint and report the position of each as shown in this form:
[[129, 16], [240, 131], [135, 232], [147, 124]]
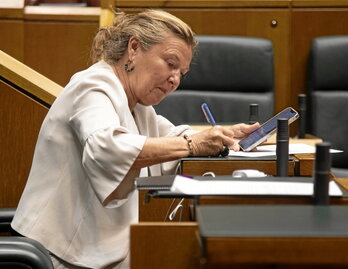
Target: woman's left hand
[[241, 130]]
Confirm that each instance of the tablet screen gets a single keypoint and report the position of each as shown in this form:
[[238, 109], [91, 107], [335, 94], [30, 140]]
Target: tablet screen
[[266, 129]]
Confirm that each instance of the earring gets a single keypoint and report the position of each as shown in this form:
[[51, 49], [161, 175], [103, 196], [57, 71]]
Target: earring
[[127, 67]]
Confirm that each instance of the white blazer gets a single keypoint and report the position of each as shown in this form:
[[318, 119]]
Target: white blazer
[[79, 200]]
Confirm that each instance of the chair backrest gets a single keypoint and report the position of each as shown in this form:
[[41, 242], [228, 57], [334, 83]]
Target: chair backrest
[[228, 73], [21, 252], [328, 94]]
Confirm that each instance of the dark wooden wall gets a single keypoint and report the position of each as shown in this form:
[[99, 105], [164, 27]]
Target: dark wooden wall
[[55, 41], [21, 118]]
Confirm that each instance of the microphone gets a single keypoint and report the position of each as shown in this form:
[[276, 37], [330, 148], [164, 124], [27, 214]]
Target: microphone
[[282, 147], [302, 115], [321, 174], [253, 113]]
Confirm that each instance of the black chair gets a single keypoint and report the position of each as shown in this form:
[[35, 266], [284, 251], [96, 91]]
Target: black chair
[[17, 252], [328, 96], [6, 216], [228, 73], [23, 253]]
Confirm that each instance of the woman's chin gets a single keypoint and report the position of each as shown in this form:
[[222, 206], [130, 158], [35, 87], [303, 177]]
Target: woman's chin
[[151, 102]]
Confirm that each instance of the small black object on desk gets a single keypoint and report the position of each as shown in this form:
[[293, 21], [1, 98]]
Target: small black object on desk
[[321, 174], [282, 147]]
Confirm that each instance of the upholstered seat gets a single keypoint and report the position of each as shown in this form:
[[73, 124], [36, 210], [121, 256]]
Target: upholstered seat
[[328, 96], [228, 73]]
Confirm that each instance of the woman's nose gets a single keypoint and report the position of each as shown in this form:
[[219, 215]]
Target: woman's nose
[[174, 79]]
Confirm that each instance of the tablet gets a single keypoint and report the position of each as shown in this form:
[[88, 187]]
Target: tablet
[[267, 129]]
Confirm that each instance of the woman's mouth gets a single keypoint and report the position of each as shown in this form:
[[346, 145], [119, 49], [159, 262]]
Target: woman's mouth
[[163, 90]]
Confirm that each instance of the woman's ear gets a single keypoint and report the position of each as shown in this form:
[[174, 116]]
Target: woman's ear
[[133, 46]]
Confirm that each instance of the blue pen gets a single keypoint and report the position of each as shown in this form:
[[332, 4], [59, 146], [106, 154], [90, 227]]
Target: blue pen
[[207, 114], [210, 119]]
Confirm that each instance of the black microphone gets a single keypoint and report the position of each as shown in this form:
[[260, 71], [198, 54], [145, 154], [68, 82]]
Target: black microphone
[[253, 113], [321, 174], [302, 115], [282, 147]]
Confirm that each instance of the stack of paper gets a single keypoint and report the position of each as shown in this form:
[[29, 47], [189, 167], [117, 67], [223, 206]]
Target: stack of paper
[[270, 150], [246, 187]]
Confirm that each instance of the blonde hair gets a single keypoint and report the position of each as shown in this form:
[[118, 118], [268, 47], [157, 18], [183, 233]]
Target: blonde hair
[[150, 27]]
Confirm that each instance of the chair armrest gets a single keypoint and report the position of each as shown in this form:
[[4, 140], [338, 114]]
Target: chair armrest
[[6, 217], [21, 251]]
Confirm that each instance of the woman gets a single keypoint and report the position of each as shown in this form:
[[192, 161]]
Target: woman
[[102, 132]]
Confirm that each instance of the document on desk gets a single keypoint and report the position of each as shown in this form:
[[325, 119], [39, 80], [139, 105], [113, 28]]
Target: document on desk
[[193, 186], [270, 150]]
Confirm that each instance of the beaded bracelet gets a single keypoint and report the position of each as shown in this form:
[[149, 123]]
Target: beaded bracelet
[[189, 142]]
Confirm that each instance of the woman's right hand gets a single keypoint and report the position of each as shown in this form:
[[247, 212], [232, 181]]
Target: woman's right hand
[[211, 142]]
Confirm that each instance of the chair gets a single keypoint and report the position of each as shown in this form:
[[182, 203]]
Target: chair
[[328, 96], [23, 253], [228, 73], [20, 252], [6, 216]]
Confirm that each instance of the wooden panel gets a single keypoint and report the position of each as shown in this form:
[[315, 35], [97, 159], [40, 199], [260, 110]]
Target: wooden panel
[[58, 49], [11, 27], [319, 3], [169, 245], [306, 25], [306, 164], [58, 45], [226, 167], [107, 15], [201, 3], [293, 252], [247, 22], [106, 4], [11, 8], [28, 80], [158, 209], [164, 245], [11, 32], [62, 13], [21, 119]]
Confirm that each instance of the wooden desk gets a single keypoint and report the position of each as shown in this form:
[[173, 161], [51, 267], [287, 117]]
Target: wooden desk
[[225, 166], [276, 253], [174, 245], [299, 164], [177, 245], [157, 209], [165, 245], [292, 236]]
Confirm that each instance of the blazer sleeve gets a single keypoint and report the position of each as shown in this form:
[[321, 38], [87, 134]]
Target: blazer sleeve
[[109, 146]]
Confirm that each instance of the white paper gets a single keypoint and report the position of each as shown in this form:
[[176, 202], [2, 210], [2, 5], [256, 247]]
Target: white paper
[[244, 187], [270, 150]]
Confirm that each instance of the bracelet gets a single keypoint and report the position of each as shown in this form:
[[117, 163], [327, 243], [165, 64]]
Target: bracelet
[[189, 142]]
